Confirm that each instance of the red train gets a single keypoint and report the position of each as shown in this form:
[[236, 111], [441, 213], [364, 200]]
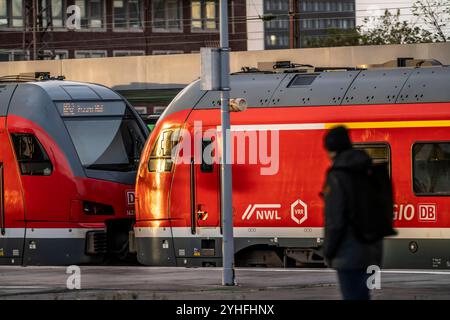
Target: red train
[[68, 158], [400, 116]]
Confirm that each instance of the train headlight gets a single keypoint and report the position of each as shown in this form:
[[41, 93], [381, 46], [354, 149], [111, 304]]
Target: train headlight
[[161, 156], [94, 208]]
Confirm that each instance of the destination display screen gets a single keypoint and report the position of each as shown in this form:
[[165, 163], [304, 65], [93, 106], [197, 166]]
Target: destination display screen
[[91, 108]]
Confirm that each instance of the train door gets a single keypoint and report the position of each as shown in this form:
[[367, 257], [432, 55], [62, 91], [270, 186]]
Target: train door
[[207, 198], [204, 248], [12, 231]]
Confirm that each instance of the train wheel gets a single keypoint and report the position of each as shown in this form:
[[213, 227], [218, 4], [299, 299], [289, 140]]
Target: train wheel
[[259, 256]]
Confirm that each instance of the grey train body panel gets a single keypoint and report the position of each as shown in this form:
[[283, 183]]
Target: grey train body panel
[[185, 99], [35, 101], [427, 85], [6, 92], [68, 90], [11, 248], [324, 89], [331, 88], [151, 252], [64, 251], [379, 86], [256, 89], [51, 251], [396, 253]]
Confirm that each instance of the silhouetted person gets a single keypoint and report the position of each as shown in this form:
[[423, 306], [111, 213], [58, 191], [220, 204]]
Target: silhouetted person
[[342, 250]]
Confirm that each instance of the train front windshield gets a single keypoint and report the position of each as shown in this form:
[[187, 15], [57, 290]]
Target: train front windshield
[[107, 138]]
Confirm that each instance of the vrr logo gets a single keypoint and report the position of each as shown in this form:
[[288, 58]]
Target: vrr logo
[[427, 212], [299, 211]]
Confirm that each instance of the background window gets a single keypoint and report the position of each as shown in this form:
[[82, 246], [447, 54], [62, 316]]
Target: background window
[[54, 8], [89, 54], [59, 8], [32, 158], [128, 53], [55, 54], [4, 56], [204, 14], [167, 14], [3, 13], [92, 13], [431, 168], [161, 52], [128, 14], [14, 55], [11, 13], [17, 13]]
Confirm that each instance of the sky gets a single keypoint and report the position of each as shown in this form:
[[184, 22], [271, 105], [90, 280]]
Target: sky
[[367, 8]]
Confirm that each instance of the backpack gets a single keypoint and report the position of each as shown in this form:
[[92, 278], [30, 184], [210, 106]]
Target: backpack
[[371, 204]]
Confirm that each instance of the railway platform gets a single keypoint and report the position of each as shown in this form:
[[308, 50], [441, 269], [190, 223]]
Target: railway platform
[[162, 283]]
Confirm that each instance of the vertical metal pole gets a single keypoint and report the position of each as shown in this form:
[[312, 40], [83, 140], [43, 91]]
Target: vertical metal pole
[[291, 24], [226, 182], [34, 30]]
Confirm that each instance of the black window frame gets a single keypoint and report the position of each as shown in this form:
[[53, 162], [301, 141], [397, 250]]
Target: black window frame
[[412, 168], [10, 17], [43, 151], [88, 17], [360, 145], [167, 27], [203, 17], [129, 27]]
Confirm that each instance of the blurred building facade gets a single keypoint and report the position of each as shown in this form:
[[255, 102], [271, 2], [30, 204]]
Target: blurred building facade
[[114, 28], [283, 24]]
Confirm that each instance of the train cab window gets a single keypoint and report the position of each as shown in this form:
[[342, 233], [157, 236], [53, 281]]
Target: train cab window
[[32, 158], [379, 152], [109, 143], [431, 168], [207, 164], [161, 156]]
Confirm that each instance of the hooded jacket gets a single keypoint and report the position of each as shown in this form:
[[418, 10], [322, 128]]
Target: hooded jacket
[[341, 248]]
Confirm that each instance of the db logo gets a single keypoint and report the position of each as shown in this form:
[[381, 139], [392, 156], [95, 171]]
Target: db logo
[[427, 212], [130, 198]]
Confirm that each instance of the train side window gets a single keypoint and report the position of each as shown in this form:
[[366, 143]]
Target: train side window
[[379, 152], [207, 158], [32, 158], [431, 168]]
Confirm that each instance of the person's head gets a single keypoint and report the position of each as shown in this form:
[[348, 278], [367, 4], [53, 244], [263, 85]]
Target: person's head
[[336, 141]]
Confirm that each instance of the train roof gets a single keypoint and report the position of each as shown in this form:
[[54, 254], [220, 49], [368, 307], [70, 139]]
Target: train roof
[[37, 102], [325, 88], [57, 90]]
